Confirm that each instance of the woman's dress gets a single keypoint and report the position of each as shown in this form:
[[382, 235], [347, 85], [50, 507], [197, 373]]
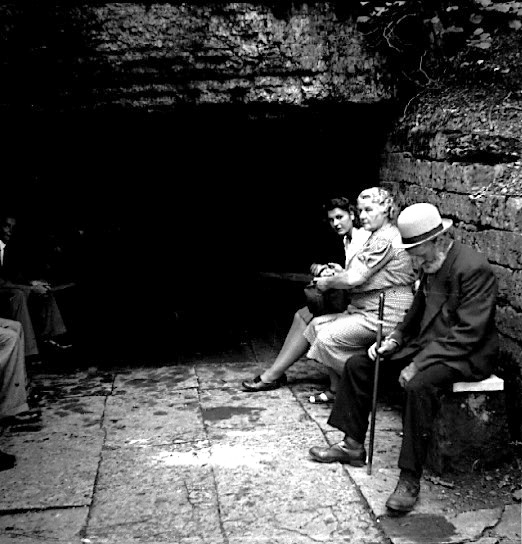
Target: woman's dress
[[334, 338]]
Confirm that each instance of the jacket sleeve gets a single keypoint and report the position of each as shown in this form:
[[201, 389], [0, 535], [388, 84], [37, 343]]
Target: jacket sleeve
[[409, 326], [474, 315]]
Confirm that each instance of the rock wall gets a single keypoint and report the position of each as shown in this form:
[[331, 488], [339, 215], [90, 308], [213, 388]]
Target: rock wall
[[459, 147], [156, 56]]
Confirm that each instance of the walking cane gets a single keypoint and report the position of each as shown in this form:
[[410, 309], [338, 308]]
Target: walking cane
[[375, 383]]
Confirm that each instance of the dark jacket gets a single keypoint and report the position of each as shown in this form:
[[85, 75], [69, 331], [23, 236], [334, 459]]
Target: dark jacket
[[452, 317]]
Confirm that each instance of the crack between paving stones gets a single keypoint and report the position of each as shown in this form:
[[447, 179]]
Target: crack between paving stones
[[214, 482], [345, 470], [494, 525], [83, 530]]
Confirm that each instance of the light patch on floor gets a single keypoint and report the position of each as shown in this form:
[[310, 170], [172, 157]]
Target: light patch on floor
[[223, 456]]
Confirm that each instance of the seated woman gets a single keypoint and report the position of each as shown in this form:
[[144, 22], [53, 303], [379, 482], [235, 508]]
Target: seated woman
[[376, 267], [342, 218]]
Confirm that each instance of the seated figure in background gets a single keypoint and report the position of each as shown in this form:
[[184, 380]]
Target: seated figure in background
[[374, 267], [29, 301], [14, 408]]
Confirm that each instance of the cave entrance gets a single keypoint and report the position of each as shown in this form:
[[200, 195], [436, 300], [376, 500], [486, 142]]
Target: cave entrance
[[180, 210]]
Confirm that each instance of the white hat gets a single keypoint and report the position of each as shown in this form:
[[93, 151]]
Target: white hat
[[419, 223]]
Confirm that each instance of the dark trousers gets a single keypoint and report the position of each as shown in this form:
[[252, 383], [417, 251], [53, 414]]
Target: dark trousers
[[353, 404]]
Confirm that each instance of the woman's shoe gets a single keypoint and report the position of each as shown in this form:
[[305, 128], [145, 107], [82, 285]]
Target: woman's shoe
[[326, 397], [257, 384]]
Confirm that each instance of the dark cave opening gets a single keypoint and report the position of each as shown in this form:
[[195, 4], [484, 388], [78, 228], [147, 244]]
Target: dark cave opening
[[174, 213]]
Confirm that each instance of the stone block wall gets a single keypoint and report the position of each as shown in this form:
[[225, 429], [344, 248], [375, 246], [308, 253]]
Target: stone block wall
[[157, 56], [479, 187]]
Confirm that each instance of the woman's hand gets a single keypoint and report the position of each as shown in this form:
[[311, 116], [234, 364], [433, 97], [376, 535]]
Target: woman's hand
[[317, 268], [327, 273], [335, 267], [326, 270], [322, 283], [388, 346]]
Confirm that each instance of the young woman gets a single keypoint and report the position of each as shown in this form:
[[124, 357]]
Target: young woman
[[373, 268]]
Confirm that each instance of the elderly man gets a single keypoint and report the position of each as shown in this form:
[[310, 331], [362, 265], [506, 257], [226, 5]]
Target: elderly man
[[448, 335]]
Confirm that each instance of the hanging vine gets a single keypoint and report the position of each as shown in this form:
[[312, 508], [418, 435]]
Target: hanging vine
[[425, 40]]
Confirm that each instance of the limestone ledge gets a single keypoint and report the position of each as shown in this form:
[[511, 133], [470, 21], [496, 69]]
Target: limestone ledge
[[456, 177], [286, 90], [464, 121], [484, 211], [202, 54]]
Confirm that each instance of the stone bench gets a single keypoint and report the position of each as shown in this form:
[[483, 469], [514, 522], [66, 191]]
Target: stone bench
[[471, 429]]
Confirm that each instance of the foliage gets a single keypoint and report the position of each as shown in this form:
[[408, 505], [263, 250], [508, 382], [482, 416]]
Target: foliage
[[426, 39]]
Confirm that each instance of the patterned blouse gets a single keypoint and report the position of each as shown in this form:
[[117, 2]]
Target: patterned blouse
[[380, 263]]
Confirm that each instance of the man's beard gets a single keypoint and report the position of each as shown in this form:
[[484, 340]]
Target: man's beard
[[436, 264]]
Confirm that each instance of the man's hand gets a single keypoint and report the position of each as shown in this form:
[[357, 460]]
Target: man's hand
[[388, 347], [407, 374]]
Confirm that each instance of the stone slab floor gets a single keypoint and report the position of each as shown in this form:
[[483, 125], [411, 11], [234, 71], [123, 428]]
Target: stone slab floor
[[177, 453]]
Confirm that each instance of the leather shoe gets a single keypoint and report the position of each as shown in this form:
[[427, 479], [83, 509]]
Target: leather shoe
[[405, 496], [257, 384], [339, 453]]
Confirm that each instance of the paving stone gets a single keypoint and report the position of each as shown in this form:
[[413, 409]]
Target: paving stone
[[86, 383], [227, 409], [162, 494], [52, 470], [263, 497], [149, 417], [509, 526], [225, 375], [166, 379], [74, 414], [419, 528], [49, 527], [307, 371], [471, 525], [191, 458], [242, 352]]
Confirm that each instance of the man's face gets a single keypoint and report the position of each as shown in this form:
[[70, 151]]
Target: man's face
[[427, 257], [341, 221], [6, 229]]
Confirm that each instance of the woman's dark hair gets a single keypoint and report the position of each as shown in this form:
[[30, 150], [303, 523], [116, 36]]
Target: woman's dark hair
[[342, 203]]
